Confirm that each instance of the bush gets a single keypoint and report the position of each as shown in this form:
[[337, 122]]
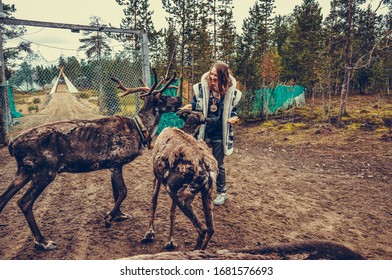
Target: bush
[[32, 108], [36, 100], [84, 95]]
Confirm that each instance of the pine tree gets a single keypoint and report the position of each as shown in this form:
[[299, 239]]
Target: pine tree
[[303, 45], [256, 40], [227, 33], [280, 32], [200, 47], [365, 38], [245, 46], [138, 16], [168, 48], [181, 14], [10, 55], [95, 43], [349, 11], [9, 32]]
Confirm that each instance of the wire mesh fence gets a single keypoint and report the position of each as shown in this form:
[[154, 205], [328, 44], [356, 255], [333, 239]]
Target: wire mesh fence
[[39, 91]]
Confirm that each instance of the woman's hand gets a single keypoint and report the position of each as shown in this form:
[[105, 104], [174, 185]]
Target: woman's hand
[[233, 120], [186, 107]]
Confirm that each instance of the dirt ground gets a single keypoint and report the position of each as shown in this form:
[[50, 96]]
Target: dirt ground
[[280, 191]]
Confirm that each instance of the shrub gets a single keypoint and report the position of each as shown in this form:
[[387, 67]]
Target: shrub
[[83, 95], [32, 107]]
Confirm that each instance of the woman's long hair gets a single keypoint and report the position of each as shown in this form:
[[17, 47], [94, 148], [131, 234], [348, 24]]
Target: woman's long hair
[[224, 80]]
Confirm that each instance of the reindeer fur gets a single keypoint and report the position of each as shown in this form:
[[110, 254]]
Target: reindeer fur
[[186, 167]]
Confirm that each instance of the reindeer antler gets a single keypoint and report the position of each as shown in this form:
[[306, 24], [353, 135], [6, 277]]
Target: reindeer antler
[[147, 90], [166, 85], [129, 90]]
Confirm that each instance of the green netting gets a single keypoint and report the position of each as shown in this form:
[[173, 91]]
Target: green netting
[[280, 98], [14, 113], [258, 99], [170, 119], [265, 100]]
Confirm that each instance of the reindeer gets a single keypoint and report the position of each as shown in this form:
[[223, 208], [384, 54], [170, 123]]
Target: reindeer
[[82, 146], [186, 167]]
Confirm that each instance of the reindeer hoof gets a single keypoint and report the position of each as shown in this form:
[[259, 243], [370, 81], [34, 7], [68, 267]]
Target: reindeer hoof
[[108, 220], [148, 237], [46, 245], [171, 246], [121, 217]]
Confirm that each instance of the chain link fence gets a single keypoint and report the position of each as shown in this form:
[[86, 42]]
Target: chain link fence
[[39, 92]]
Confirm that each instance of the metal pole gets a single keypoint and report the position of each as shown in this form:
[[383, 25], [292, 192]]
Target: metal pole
[[146, 59], [72, 27], [145, 64], [4, 102]]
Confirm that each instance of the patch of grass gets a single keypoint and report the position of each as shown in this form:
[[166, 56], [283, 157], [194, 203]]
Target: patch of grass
[[354, 126], [367, 118], [128, 109], [382, 130], [270, 123], [91, 92], [20, 101], [293, 126]]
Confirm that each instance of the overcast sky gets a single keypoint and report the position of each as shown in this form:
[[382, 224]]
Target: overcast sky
[[80, 11]]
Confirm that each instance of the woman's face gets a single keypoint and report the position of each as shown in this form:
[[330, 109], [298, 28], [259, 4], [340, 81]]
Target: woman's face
[[214, 79]]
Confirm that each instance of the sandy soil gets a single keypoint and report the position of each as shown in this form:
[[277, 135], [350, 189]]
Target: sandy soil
[[278, 193]]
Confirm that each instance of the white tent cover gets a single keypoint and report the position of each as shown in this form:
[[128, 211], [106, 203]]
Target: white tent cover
[[70, 86]]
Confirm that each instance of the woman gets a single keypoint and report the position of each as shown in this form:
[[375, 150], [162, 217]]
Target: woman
[[217, 97]]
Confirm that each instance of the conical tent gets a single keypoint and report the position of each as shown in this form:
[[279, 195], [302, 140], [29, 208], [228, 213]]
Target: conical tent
[[70, 86]]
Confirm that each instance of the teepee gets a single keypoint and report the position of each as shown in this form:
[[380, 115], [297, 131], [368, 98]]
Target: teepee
[[68, 83]]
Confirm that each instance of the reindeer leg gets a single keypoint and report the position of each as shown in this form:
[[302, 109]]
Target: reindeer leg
[[184, 202], [119, 194], [207, 208], [20, 180], [170, 245], [120, 216], [38, 184], [150, 234]]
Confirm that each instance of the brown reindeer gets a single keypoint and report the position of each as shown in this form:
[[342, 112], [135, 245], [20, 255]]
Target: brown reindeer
[[186, 167], [83, 146]]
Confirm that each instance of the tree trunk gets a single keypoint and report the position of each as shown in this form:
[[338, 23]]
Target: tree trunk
[[215, 48], [181, 85], [347, 65], [313, 89]]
